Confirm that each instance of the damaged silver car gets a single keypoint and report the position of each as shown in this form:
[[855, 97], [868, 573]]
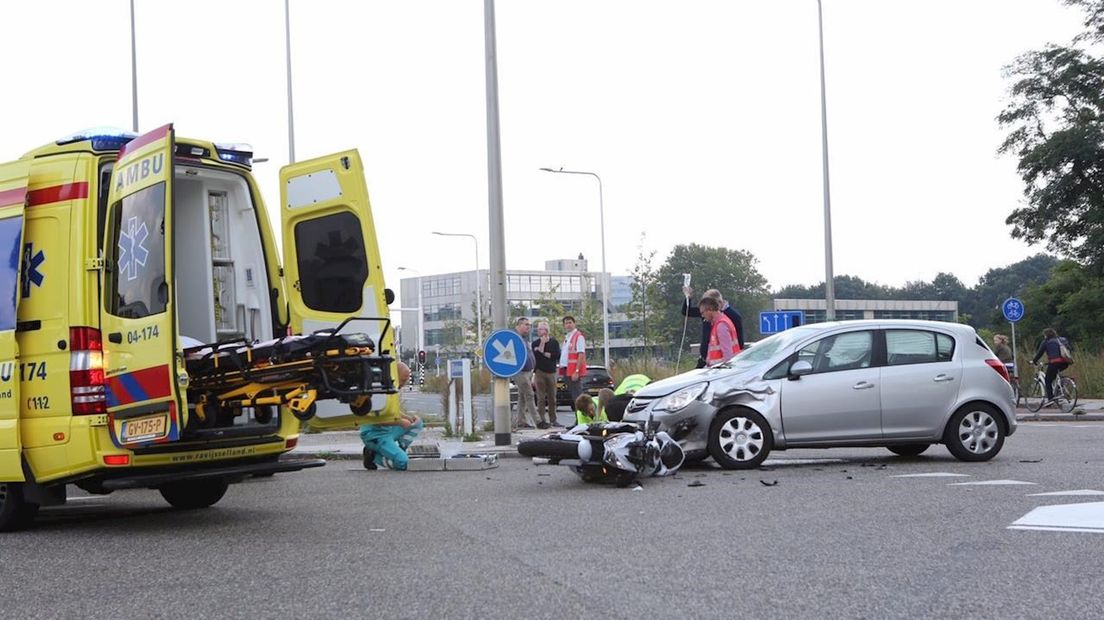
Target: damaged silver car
[[901, 385]]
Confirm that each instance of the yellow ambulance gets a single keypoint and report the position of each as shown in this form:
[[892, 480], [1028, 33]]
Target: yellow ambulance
[[122, 252]]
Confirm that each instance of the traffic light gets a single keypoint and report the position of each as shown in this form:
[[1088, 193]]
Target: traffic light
[[421, 357]]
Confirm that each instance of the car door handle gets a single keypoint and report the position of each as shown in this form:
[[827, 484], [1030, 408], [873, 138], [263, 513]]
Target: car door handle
[[862, 385], [942, 378], [115, 337]]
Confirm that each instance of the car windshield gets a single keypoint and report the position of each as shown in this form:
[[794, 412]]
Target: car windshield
[[766, 348]]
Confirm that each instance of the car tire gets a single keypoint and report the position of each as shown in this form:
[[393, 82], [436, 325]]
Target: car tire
[[975, 433], [194, 494], [15, 512], [910, 449], [739, 439]]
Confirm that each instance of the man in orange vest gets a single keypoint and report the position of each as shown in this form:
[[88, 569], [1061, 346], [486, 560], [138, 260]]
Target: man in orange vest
[[724, 344], [573, 358]]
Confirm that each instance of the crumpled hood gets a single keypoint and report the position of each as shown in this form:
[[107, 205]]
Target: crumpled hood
[[673, 384]]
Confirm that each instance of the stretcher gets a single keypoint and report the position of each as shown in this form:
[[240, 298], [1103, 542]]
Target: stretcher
[[295, 371]]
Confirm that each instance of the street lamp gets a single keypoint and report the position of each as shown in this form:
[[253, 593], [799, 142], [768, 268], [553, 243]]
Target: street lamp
[[478, 295], [605, 284], [291, 113], [421, 341], [829, 285]]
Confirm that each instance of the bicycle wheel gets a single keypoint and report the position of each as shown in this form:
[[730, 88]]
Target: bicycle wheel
[[1068, 398], [1035, 397]]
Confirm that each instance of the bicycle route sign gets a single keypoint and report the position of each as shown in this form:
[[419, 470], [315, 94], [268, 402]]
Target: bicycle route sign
[[1013, 309], [505, 352]]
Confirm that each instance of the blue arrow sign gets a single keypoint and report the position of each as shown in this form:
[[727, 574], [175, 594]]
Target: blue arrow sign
[[774, 322], [1013, 309], [505, 352]]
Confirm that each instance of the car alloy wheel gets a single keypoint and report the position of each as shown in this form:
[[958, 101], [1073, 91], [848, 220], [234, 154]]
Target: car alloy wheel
[[739, 439]]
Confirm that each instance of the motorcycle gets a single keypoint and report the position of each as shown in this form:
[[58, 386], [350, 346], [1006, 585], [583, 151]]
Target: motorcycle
[[617, 452]]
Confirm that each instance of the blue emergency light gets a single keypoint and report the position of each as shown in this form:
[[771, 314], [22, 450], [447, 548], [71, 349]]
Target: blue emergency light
[[236, 153], [103, 138]]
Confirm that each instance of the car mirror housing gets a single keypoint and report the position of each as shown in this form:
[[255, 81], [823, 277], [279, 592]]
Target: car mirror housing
[[799, 369]]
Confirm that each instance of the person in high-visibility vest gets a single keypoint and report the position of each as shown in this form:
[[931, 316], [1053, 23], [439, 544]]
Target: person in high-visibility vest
[[573, 363], [591, 409], [629, 386], [723, 342]]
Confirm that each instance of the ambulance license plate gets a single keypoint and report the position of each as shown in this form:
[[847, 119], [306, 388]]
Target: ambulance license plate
[[146, 428]]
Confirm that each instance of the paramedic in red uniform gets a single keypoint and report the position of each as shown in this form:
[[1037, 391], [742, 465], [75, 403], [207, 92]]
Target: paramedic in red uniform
[[724, 344]]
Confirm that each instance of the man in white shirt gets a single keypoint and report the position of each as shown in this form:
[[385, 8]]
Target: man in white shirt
[[573, 358]]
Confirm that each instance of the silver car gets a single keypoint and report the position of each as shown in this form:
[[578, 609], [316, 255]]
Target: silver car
[[902, 385]]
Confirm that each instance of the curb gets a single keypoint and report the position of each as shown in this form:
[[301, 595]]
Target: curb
[[347, 456], [1061, 417]]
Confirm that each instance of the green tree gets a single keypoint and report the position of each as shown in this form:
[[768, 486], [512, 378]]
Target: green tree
[[1056, 132], [646, 301], [1071, 301], [733, 272], [983, 303]]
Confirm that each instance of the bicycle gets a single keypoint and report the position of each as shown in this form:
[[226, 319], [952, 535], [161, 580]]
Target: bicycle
[[1064, 390], [1014, 379]]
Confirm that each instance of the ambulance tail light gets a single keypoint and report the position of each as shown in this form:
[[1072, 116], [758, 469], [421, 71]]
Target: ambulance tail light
[[86, 373]]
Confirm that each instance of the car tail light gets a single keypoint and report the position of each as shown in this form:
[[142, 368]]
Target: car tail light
[[116, 459], [291, 443], [86, 374], [998, 366]]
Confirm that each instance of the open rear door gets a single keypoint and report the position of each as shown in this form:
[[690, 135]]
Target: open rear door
[[331, 260], [144, 403], [13, 194]]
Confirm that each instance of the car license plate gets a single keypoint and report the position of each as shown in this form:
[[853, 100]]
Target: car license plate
[[146, 428]]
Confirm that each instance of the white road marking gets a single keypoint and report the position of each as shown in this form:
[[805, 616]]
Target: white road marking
[[1064, 493], [1064, 518], [938, 474], [989, 483]]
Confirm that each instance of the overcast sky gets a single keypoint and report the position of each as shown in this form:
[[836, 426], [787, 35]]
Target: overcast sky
[[702, 117]]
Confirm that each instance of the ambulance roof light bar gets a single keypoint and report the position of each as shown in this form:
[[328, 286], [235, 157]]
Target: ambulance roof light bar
[[235, 153], [103, 138]]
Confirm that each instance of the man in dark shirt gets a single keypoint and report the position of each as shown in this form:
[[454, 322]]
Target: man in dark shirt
[[546, 352], [691, 310]]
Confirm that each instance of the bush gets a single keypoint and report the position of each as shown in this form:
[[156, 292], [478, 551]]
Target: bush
[[653, 367]]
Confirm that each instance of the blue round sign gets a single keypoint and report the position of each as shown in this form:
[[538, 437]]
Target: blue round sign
[[504, 353], [1013, 309]]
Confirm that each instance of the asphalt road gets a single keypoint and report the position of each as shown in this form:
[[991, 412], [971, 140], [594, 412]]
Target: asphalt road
[[841, 534]]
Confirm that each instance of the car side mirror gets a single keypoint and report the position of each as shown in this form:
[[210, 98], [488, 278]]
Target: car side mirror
[[389, 296], [799, 369]]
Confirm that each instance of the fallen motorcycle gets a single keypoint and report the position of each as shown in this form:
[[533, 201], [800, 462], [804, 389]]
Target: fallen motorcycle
[[617, 452]]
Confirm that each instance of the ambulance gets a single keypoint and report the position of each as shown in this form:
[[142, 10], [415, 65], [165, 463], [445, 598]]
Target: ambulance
[[122, 251]]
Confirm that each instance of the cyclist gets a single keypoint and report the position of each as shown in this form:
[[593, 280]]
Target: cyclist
[[1057, 354]]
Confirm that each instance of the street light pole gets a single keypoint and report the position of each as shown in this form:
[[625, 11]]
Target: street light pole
[[133, 71], [478, 296], [605, 276], [497, 234], [291, 113], [829, 284]]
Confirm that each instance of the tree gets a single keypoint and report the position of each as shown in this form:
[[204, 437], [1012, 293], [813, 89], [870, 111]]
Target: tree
[[1055, 119], [983, 303], [645, 297], [1071, 301], [733, 272]]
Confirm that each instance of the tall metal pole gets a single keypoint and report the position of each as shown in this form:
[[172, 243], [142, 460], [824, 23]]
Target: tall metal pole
[[829, 284], [133, 71], [290, 111], [478, 286], [605, 276], [497, 232]]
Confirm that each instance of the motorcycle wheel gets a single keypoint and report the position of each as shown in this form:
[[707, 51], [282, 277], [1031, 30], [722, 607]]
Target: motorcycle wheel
[[549, 448]]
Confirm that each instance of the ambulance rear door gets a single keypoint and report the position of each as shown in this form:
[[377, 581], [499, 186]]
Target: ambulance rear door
[[331, 259], [13, 195], [142, 366]]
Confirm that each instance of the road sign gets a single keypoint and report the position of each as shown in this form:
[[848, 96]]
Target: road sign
[[1013, 309], [505, 352], [774, 322], [455, 369]]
